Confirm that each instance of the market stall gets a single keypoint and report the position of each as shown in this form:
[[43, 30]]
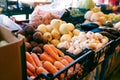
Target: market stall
[[61, 42]]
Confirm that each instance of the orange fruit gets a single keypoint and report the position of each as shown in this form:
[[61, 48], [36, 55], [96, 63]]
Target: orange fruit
[[115, 8]]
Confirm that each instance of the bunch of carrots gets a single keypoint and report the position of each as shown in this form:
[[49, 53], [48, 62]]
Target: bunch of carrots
[[50, 61]]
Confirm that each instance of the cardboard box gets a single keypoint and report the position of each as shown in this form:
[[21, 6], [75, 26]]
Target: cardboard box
[[12, 56]]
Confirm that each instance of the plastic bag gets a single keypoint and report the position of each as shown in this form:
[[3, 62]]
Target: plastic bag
[[45, 13], [5, 20]]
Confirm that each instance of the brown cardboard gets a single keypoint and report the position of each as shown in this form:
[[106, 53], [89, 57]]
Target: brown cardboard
[[11, 65]]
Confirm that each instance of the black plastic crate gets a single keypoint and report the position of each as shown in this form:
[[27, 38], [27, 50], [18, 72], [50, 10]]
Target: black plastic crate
[[117, 41], [75, 18], [84, 60], [106, 50], [117, 45]]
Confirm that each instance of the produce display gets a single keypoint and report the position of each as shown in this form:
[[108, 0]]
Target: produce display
[[97, 16], [41, 51], [108, 24], [46, 36]]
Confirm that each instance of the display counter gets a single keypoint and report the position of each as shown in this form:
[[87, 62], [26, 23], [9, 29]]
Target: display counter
[[90, 61]]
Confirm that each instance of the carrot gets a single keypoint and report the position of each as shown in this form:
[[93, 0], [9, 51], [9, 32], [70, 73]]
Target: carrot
[[40, 69], [48, 49], [30, 59], [60, 53], [58, 65], [68, 58], [53, 48], [49, 67], [30, 67], [77, 66], [29, 73], [65, 62], [36, 59], [45, 57]]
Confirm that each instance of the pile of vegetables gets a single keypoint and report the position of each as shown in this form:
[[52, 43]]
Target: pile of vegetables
[[84, 40], [62, 35], [41, 51], [41, 45], [34, 40], [95, 15], [58, 31], [50, 61]]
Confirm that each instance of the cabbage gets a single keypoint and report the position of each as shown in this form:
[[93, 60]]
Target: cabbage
[[87, 4]]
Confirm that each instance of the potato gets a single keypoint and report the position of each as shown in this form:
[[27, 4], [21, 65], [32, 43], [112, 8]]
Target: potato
[[55, 34], [94, 17], [49, 28], [55, 23], [88, 15], [71, 26], [76, 32], [42, 28], [64, 28], [65, 37], [55, 42], [47, 36]]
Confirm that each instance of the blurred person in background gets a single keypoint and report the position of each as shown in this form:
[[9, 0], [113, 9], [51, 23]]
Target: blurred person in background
[[111, 2]]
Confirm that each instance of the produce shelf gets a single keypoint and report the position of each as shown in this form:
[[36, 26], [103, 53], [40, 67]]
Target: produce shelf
[[88, 59]]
